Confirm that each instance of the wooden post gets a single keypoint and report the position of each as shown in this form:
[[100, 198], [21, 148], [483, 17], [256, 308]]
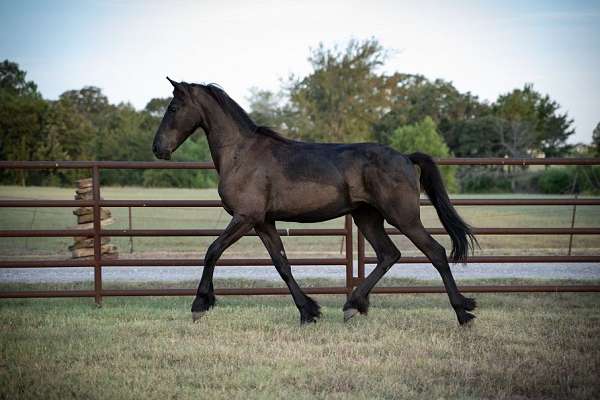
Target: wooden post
[[130, 227], [97, 237]]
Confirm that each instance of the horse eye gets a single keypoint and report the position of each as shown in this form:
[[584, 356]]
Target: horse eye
[[172, 109]]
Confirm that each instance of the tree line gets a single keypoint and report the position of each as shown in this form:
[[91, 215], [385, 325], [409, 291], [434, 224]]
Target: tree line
[[345, 98]]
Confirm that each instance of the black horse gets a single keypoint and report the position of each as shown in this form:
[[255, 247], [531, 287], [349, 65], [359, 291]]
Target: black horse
[[265, 177]]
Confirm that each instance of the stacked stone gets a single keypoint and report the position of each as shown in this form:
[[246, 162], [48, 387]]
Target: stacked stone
[[84, 245]]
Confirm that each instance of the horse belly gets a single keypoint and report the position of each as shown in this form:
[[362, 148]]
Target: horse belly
[[308, 202]]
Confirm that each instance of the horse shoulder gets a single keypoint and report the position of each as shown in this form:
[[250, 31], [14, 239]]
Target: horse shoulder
[[245, 193]]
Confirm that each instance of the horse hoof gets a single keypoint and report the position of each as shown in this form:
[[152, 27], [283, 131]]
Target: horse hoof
[[349, 313], [466, 319], [196, 315]]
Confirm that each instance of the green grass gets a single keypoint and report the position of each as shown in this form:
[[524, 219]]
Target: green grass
[[522, 346], [52, 218]]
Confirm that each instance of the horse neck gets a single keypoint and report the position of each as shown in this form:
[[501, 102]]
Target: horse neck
[[225, 140]]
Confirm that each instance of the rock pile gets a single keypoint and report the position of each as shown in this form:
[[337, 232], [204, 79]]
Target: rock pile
[[84, 245]]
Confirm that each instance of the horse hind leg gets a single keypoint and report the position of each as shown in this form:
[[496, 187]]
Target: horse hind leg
[[436, 253], [405, 216], [370, 223]]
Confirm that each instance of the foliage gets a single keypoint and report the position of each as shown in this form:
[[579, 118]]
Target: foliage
[[596, 141], [190, 150], [423, 137], [21, 119], [556, 180], [572, 179], [157, 106], [551, 180], [540, 114], [414, 97], [13, 80], [484, 180], [343, 97], [83, 125], [265, 108]]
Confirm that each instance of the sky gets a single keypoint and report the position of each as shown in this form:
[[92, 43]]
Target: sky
[[484, 47]]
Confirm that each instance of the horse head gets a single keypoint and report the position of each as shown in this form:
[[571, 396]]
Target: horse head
[[182, 117]]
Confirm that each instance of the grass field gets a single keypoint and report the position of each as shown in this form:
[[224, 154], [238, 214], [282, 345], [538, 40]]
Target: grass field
[[55, 218], [522, 346]]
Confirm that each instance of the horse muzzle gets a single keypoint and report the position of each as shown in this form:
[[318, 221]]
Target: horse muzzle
[[160, 153]]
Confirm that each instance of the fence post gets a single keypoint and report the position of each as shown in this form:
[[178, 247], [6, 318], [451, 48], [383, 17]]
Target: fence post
[[349, 256], [97, 236], [130, 228], [572, 225]]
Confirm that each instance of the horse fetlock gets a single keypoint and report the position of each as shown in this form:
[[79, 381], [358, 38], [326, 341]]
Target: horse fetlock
[[310, 311], [358, 302], [464, 318], [203, 302], [465, 303], [469, 303]]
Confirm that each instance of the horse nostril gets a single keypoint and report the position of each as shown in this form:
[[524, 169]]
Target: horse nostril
[[154, 148]]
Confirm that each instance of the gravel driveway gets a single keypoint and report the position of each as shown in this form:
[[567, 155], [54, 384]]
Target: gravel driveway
[[417, 271]]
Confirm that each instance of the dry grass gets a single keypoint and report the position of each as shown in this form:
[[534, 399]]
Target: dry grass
[[521, 346]]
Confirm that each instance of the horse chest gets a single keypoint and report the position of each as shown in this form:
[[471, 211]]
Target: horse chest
[[242, 197]]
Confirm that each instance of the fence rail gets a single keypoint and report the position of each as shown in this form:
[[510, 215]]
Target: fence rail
[[346, 232]]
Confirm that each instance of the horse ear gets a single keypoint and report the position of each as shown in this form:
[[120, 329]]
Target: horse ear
[[172, 82], [179, 87]]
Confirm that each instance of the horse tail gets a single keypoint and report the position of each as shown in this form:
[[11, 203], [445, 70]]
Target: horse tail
[[460, 232]]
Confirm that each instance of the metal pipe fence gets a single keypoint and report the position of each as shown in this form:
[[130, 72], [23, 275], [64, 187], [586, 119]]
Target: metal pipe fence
[[347, 261]]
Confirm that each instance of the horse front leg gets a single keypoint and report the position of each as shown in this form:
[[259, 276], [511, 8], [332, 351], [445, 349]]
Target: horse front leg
[[205, 295], [309, 309]]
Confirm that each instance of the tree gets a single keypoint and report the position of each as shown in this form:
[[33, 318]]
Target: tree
[[423, 137], [596, 141], [414, 97], [193, 149], [71, 130], [13, 80], [265, 108], [68, 136], [89, 100], [158, 106], [477, 137], [550, 128], [343, 97], [21, 117]]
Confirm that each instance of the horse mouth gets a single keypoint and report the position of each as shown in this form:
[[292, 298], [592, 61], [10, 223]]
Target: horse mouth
[[165, 155]]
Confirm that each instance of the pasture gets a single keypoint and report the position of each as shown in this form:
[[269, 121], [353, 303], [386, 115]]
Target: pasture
[[211, 218], [409, 346], [522, 346]]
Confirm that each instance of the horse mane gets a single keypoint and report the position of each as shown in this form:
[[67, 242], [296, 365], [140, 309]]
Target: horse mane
[[238, 113]]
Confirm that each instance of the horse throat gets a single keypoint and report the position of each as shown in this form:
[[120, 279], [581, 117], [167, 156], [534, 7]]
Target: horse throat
[[225, 145]]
